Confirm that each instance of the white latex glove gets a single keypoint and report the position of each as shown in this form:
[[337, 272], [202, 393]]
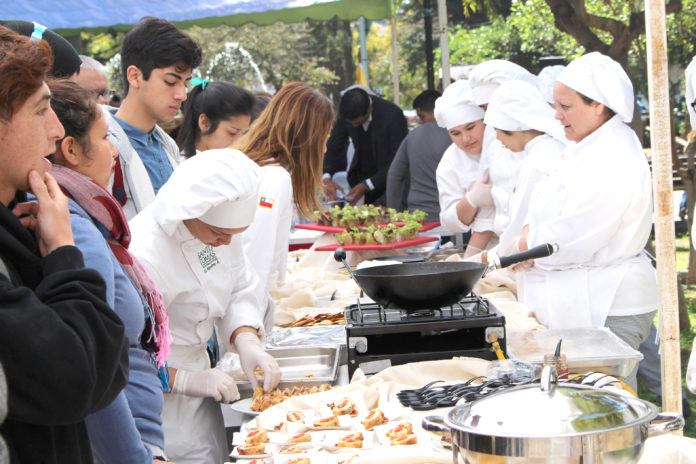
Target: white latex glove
[[207, 383], [251, 355], [691, 370], [480, 193]]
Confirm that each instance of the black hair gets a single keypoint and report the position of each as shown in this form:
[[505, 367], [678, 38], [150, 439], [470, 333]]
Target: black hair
[[219, 100], [261, 101], [426, 100], [155, 43], [355, 103], [66, 61]]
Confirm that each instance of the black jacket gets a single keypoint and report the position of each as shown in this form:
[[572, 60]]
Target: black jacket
[[387, 129], [62, 347]]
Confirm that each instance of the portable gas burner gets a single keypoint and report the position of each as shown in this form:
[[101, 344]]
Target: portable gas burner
[[378, 338]]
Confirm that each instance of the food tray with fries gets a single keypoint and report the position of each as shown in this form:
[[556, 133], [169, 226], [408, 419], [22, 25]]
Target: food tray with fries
[[301, 366]]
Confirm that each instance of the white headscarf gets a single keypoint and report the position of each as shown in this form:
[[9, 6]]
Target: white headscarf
[[519, 106], [456, 106], [219, 187], [487, 76], [602, 79], [547, 77], [690, 75]]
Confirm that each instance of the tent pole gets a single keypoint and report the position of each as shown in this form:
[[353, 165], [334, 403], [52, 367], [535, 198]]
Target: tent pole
[[362, 36], [660, 140], [428, 22], [395, 62], [444, 42]]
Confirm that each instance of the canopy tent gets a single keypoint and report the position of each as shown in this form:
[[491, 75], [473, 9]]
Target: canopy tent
[[70, 16]]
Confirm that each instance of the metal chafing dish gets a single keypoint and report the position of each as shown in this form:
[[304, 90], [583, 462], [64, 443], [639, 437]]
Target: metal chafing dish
[[552, 423]]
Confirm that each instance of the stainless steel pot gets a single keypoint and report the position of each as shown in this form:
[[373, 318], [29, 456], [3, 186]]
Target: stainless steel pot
[[552, 423]]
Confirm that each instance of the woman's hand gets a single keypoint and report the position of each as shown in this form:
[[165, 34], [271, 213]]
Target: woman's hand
[[48, 217], [330, 189]]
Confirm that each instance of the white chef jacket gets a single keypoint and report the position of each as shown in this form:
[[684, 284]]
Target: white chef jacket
[[267, 239], [503, 168], [202, 286], [542, 154], [597, 207], [455, 174]]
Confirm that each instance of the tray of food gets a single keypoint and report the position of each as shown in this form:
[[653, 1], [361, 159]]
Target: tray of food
[[300, 366], [337, 218], [587, 349], [378, 246]]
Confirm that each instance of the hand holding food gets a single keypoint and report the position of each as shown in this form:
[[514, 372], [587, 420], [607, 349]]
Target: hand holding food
[[251, 355]]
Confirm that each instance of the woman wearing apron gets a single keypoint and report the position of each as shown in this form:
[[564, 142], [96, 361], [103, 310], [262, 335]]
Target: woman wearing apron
[[597, 207], [189, 240]]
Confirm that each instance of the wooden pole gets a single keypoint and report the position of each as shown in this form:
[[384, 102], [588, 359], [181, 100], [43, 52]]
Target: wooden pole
[[444, 42], [362, 38], [395, 62], [660, 139], [428, 23]]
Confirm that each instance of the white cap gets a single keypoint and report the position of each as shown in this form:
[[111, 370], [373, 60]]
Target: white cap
[[547, 77], [456, 106], [519, 106], [487, 76], [690, 75], [219, 187], [603, 80]]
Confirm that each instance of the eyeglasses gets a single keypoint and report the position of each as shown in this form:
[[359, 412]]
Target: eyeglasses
[[106, 93]]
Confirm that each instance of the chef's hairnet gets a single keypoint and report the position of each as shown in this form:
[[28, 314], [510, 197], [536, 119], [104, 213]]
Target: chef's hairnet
[[602, 79], [219, 187], [690, 75], [456, 106], [487, 76], [547, 77], [519, 106]]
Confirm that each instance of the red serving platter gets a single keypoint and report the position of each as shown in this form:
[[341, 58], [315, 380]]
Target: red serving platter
[[336, 230], [376, 246]]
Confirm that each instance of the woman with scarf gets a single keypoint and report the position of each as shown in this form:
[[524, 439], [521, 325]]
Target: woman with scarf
[[288, 141], [597, 207], [130, 428]]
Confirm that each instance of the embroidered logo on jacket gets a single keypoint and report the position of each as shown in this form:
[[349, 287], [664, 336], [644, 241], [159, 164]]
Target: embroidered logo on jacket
[[266, 202], [208, 258]]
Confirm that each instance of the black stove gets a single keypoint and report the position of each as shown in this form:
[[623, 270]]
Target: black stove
[[378, 338]]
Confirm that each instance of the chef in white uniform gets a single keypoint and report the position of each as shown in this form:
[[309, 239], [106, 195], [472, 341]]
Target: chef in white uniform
[[597, 207], [503, 166], [690, 76], [524, 124], [465, 194], [189, 240]]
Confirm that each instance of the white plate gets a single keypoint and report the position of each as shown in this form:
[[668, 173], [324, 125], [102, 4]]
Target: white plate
[[333, 437], [270, 450], [244, 406]]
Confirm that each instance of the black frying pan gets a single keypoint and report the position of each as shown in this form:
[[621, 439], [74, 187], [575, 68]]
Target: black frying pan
[[414, 286]]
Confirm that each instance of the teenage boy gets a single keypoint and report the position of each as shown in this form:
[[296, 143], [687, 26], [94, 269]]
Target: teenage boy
[[156, 62]]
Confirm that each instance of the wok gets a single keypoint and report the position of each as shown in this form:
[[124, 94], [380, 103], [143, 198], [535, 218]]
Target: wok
[[413, 286]]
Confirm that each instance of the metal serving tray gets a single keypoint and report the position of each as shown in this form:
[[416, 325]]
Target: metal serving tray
[[304, 366]]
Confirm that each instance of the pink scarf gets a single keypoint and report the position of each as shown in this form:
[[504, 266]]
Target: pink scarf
[[106, 210]]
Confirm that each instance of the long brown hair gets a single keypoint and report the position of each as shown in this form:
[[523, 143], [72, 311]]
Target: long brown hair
[[292, 132]]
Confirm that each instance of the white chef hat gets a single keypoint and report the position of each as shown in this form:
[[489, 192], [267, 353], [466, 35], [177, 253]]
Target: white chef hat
[[456, 106], [218, 187], [547, 77], [519, 106], [603, 80], [690, 75], [487, 76]]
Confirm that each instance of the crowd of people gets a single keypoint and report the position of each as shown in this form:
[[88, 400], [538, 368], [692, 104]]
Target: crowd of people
[[131, 257]]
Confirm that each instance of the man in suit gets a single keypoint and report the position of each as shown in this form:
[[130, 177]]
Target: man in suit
[[376, 127]]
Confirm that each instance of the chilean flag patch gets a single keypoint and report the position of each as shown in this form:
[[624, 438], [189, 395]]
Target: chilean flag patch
[[266, 202]]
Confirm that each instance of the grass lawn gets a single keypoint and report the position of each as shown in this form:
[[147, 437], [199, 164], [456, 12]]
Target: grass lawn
[[686, 337]]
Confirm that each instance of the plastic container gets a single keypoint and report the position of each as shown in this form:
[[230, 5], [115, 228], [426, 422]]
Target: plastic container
[[589, 349]]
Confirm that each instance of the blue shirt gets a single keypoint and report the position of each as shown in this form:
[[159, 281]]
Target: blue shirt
[[149, 147]]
